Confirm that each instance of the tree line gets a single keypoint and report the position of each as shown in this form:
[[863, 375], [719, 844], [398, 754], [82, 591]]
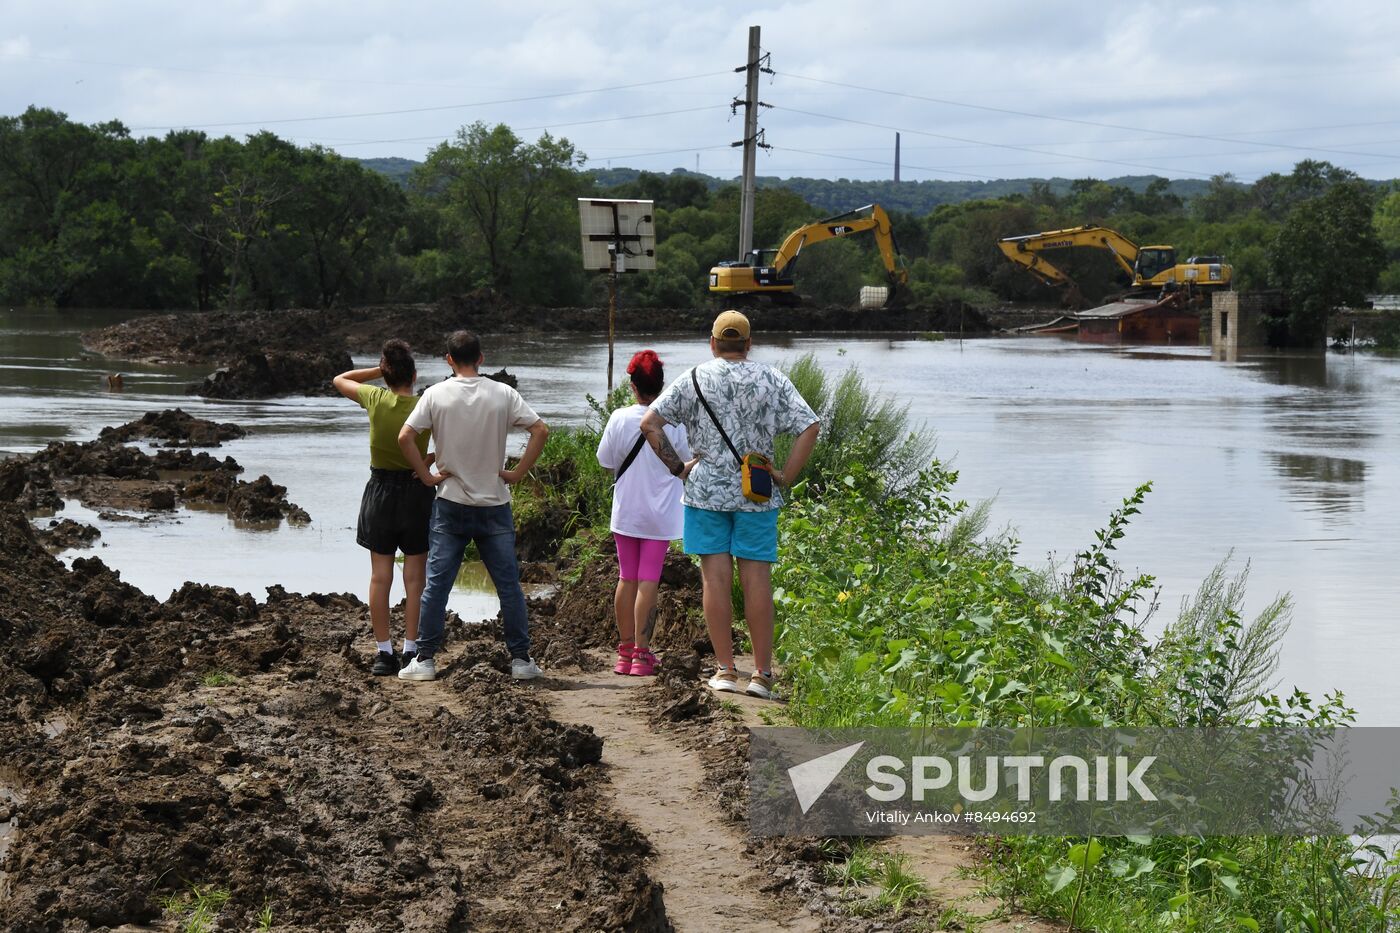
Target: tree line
[[95, 217]]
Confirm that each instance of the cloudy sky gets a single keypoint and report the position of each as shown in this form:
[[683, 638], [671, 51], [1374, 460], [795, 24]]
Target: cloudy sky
[[979, 90]]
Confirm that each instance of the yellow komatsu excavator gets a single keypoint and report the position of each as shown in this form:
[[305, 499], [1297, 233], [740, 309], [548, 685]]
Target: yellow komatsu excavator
[[1151, 267], [773, 278]]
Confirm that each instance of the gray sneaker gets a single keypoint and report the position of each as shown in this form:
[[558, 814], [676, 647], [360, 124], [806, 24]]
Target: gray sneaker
[[419, 669], [525, 669]]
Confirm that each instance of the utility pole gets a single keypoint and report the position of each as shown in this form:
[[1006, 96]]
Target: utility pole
[[896, 158], [752, 140]]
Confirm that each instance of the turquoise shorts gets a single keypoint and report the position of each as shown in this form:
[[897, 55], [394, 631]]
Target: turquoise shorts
[[750, 535]]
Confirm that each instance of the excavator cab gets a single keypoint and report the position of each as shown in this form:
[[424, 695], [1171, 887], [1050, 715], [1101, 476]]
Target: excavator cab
[[1152, 261], [752, 275]]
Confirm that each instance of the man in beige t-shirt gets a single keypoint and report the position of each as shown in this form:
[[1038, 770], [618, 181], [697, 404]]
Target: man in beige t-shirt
[[471, 416]]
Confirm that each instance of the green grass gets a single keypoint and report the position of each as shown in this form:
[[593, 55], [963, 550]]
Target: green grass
[[196, 910], [899, 888], [218, 678], [877, 883], [857, 869]]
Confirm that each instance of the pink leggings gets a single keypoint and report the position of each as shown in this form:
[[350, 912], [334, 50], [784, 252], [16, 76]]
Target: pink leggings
[[639, 558]]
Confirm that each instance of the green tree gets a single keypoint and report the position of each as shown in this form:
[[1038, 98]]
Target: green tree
[[1326, 255], [342, 214], [503, 201]]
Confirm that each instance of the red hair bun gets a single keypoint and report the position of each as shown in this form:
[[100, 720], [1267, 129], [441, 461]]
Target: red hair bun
[[646, 372]]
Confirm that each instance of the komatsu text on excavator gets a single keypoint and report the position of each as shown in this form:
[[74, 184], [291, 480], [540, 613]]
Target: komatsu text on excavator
[[773, 278], [1151, 267]]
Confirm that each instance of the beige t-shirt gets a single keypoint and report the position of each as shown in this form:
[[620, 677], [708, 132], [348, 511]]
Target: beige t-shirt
[[470, 417]]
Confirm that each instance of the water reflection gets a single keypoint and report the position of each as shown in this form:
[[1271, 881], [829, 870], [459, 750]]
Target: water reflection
[[1322, 483], [1307, 370]]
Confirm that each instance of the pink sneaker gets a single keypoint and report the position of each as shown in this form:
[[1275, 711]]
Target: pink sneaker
[[643, 664], [625, 651]]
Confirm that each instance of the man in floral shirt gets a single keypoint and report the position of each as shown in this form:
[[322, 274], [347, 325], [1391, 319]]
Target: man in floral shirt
[[754, 403]]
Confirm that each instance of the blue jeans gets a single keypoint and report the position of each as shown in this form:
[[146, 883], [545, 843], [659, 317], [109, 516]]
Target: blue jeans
[[454, 526]]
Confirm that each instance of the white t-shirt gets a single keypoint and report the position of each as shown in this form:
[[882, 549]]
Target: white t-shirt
[[647, 499], [470, 417]]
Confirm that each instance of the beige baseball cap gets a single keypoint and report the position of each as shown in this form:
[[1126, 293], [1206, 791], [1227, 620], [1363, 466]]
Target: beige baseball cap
[[730, 325]]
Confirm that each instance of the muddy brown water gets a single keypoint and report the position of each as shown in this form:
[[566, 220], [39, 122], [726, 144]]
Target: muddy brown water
[[1290, 462]]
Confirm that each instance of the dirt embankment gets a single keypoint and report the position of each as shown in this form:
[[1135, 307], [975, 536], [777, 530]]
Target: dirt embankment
[[230, 337], [585, 604], [242, 748], [173, 427], [108, 475], [265, 374]]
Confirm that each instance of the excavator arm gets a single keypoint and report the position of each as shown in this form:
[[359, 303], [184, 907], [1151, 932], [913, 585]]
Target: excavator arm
[[869, 217], [1026, 250]]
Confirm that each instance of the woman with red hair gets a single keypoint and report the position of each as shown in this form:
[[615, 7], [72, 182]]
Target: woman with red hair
[[646, 514]]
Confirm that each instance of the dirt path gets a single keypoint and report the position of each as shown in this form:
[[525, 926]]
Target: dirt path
[[700, 859], [944, 862]]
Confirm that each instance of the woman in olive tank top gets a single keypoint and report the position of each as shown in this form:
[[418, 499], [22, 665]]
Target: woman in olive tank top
[[395, 508]]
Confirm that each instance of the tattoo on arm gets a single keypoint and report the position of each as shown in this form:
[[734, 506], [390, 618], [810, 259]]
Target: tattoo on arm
[[662, 445], [650, 624]]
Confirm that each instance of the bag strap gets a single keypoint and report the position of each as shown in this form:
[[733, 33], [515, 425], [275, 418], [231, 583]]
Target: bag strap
[[636, 449], [695, 381]]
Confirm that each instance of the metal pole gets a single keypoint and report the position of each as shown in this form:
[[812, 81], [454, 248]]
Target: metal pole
[[750, 147], [612, 325]]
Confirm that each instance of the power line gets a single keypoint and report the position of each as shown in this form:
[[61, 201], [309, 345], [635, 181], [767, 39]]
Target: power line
[[641, 155], [544, 126], [883, 162], [389, 113], [1074, 120], [1057, 155]]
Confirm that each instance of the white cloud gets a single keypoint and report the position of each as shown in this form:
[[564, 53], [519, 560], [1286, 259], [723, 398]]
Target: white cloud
[[1199, 69]]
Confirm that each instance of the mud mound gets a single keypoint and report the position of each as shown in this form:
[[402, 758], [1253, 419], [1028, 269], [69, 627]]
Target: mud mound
[[262, 500], [106, 475], [28, 485], [66, 534], [176, 427], [227, 337], [265, 374], [215, 742], [96, 458], [187, 460], [216, 336], [585, 604]]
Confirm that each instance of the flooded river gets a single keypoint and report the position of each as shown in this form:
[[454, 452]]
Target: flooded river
[[1290, 462]]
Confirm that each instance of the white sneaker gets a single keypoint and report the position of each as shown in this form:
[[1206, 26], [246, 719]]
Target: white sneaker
[[725, 680], [419, 669], [525, 669]]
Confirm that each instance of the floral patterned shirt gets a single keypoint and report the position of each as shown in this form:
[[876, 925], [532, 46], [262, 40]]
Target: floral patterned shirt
[[755, 403]]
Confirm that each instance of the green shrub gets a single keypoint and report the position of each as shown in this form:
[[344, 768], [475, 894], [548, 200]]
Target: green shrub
[[891, 614]]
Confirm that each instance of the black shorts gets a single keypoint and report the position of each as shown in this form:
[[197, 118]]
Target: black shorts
[[394, 513]]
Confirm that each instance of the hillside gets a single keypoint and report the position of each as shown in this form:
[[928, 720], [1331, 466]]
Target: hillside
[[393, 167], [918, 197]]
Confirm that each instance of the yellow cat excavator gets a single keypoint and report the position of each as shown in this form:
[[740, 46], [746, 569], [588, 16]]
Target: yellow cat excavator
[[1151, 267], [774, 278]]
